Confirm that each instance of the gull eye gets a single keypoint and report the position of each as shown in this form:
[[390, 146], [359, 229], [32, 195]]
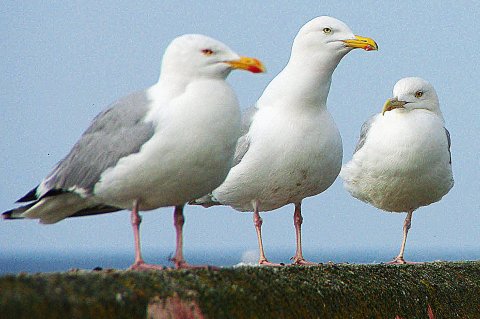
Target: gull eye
[[327, 30], [207, 52], [418, 94]]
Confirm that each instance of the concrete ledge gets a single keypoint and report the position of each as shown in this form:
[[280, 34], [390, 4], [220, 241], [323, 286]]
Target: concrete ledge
[[431, 290]]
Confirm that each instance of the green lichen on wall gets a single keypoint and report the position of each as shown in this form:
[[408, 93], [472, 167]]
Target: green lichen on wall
[[452, 290]]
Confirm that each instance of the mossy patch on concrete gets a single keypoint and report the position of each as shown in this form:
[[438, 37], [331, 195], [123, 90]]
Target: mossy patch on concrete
[[450, 289]]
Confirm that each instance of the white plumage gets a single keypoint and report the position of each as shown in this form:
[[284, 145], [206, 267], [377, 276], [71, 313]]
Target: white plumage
[[294, 153], [291, 148], [163, 146], [177, 164], [403, 159]]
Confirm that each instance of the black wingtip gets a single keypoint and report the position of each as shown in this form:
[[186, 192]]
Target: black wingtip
[[16, 213], [204, 205], [205, 201], [96, 210], [7, 215], [32, 195], [29, 197], [10, 214]]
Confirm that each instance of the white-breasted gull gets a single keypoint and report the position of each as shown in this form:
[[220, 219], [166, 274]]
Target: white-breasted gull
[[402, 160], [163, 146], [290, 147]]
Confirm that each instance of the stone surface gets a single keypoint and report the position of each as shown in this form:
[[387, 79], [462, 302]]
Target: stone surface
[[447, 290]]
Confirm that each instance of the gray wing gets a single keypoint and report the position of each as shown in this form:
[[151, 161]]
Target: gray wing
[[363, 132], [113, 134], [243, 142], [449, 144]]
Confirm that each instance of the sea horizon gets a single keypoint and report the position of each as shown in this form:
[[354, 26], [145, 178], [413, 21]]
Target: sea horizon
[[26, 261]]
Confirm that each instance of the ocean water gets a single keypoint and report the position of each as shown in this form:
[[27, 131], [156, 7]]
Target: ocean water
[[13, 262]]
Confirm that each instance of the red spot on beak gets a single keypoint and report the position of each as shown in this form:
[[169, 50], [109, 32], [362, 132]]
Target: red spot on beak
[[255, 69], [256, 66]]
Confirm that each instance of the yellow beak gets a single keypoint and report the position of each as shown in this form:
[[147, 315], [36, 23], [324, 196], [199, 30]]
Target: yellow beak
[[246, 63], [393, 103], [362, 43]]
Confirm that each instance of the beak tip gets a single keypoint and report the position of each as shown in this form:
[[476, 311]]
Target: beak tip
[[393, 103], [256, 69], [359, 42], [249, 64]]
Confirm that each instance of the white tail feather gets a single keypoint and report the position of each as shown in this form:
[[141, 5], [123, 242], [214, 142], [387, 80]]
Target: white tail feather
[[53, 209]]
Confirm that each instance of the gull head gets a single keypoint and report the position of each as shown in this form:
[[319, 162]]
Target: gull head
[[330, 36], [196, 55], [413, 93]]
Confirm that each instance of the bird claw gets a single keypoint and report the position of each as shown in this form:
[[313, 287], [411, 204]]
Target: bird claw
[[401, 261], [265, 262], [142, 266], [397, 261], [302, 262]]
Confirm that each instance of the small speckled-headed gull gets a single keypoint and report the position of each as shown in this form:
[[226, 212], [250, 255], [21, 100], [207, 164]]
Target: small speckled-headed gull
[[290, 147], [163, 146], [402, 160]]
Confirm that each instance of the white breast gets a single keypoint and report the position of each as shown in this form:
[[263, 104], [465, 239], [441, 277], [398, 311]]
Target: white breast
[[404, 163], [293, 154], [189, 155]]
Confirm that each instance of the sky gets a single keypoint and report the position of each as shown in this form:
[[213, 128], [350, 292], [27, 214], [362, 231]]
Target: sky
[[64, 62]]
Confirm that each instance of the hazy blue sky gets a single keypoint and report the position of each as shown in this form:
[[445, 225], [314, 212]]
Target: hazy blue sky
[[63, 63]]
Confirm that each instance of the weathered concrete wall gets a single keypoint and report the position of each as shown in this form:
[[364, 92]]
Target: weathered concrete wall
[[450, 290]]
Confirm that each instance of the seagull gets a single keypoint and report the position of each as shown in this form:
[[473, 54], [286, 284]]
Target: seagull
[[402, 160], [290, 147], [162, 146]]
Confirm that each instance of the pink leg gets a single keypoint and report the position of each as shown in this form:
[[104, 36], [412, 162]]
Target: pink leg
[[257, 221], [297, 221], [406, 226], [139, 263], [178, 259]]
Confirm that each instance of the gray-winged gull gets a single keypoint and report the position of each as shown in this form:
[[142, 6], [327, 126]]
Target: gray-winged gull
[[402, 160], [290, 147], [163, 146]]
